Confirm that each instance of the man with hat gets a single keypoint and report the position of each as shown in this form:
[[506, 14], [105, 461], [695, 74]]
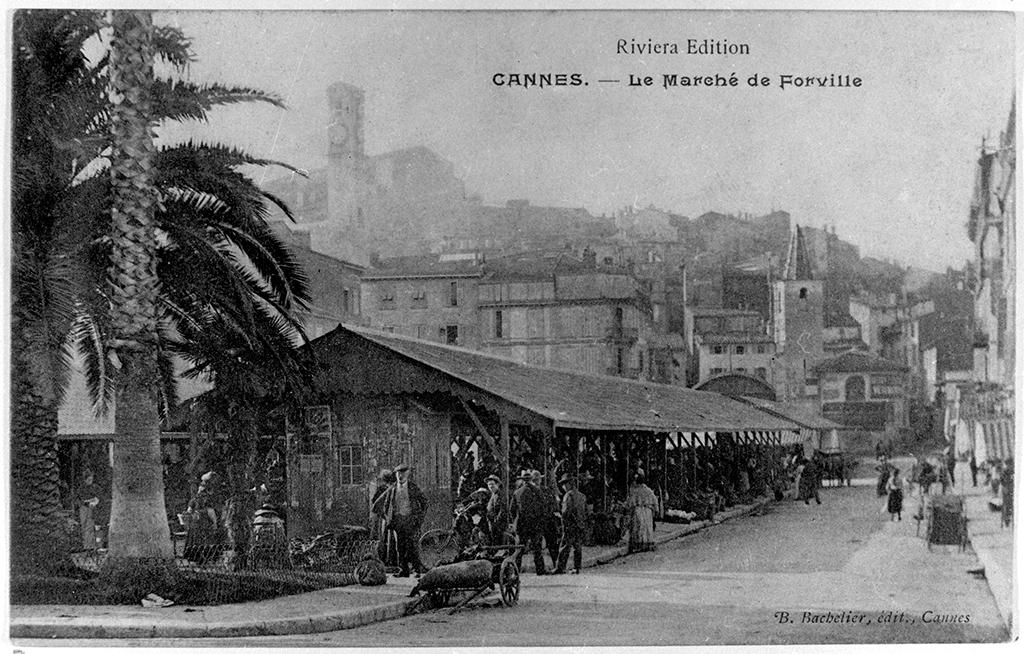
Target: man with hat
[[528, 507], [497, 514], [574, 522], [550, 522], [403, 507]]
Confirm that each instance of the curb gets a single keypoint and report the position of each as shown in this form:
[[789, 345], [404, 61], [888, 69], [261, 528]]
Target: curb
[[47, 627], [283, 627], [987, 560]]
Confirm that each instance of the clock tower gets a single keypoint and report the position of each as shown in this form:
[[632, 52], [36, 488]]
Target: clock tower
[[798, 321], [346, 234], [345, 122]]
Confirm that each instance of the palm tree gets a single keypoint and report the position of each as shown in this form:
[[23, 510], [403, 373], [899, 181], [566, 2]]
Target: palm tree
[[216, 264], [56, 94]]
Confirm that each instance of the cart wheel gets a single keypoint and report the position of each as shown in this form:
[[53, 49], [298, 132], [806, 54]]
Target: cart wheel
[[508, 582], [436, 599]]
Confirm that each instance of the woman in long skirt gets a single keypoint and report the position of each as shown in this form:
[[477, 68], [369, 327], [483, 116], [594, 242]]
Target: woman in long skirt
[[895, 488], [641, 503]]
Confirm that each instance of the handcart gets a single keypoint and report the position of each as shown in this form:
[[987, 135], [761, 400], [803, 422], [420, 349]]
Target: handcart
[[946, 522], [467, 575]]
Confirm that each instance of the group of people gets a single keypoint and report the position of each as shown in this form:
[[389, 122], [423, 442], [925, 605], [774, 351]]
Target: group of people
[[536, 512], [401, 506], [806, 477]]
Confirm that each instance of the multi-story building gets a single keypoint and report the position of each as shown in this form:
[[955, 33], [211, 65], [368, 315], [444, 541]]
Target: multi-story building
[[554, 310], [864, 392], [714, 334], [546, 308], [842, 333], [334, 285], [429, 297], [992, 229], [750, 354]]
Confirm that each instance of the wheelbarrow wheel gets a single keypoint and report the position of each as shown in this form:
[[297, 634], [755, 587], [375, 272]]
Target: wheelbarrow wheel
[[508, 582], [437, 599]]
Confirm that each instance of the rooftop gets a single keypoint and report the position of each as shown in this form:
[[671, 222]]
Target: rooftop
[[793, 412], [423, 266], [569, 399], [853, 361], [731, 338]]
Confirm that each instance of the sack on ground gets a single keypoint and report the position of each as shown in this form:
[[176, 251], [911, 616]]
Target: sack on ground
[[371, 572], [466, 574]]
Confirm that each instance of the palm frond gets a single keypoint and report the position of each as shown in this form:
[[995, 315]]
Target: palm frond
[[88, 336], [180, 100]]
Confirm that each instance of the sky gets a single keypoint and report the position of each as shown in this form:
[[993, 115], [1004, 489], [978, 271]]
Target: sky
[[890, 164]]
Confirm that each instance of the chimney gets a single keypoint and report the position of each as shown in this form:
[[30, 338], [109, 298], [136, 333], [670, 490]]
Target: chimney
[[589, 258]]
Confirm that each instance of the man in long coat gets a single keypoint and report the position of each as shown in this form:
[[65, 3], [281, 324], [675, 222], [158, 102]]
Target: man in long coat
[[551, 509], [528, 515], [497, 512], [574, 523], [403, 507]]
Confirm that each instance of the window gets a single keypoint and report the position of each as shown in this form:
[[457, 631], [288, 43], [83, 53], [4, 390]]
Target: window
[[760, 349], [740, 349], [346, 301], [803, 293], [419, 297], [453, 294], [619, 360], [498, 326], [716, 371], [741, 370], [451, 334], [716, 349], [761, 373], [387, 297], [350, 465], [855, 389]]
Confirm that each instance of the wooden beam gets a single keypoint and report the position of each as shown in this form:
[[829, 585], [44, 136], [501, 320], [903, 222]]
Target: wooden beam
[[505, 447], [483, 431]]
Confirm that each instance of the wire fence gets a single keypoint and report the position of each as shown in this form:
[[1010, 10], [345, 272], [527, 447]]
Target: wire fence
[[210, 574]]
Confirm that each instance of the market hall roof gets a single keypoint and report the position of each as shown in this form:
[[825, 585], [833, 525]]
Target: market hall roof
[[798, 414], [566, 398]]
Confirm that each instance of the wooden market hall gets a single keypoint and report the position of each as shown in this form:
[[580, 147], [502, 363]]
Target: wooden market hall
[[386, 399]]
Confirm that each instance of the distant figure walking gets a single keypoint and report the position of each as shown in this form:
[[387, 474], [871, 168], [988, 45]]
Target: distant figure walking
[[810, 480], [1006, 488], [641, 503], [895, 488], [974, 470], [88, 500]]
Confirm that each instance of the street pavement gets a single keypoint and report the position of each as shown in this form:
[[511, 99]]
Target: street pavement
[[789, 574]]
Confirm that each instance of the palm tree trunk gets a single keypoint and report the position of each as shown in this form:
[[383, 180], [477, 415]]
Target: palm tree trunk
[[138, 522], [39, 540]]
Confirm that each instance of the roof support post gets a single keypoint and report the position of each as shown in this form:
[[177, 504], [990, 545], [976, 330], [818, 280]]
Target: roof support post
[[505, 449], [604, 472], [498, 449], [547, 450]]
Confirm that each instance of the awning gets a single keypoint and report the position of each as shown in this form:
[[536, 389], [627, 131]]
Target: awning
[[790, 437], [993, 439]]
